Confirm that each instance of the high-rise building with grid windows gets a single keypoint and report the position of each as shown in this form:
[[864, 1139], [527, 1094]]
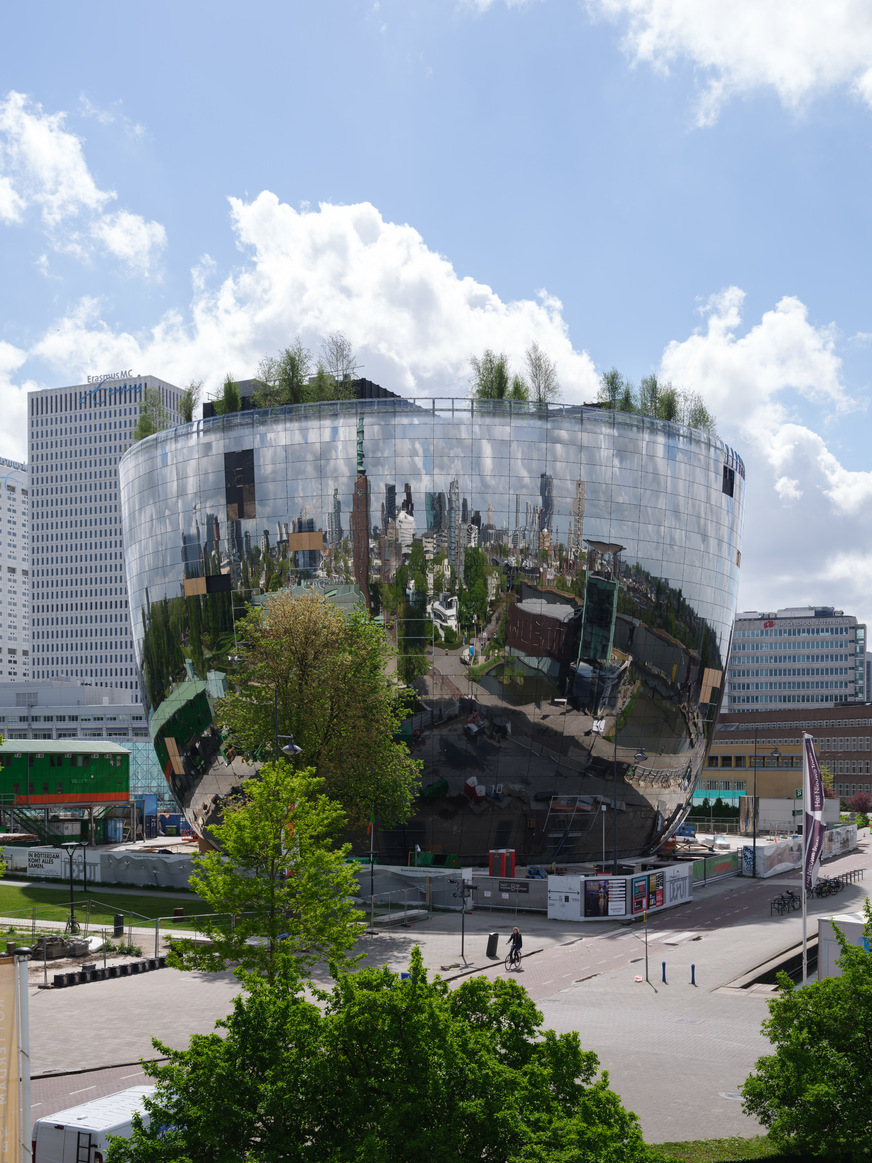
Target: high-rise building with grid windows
[[807, 655], [14, 572], [79, 610]]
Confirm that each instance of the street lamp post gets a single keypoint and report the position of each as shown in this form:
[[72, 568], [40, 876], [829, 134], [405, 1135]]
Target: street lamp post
[[615, 799], [603, 809], [290, 749], [71, 847]]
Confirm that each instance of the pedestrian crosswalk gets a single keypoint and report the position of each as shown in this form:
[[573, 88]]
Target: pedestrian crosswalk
[[661, 936]]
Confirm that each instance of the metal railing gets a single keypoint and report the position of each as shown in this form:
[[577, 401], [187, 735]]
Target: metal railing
[[397, 907]]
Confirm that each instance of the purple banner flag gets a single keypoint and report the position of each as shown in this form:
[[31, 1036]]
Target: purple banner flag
[[813, 803]]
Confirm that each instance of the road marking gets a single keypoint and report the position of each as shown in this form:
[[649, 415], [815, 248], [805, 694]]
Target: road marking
[[679, 937], [84, 1088], [136, 1075]]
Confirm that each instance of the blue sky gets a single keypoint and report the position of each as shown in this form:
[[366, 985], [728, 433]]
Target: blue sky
[[648, 184]]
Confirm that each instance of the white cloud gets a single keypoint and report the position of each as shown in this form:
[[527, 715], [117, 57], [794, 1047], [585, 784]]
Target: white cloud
[[799, 49], [109, 116], [803, 504], [45, 162], [14, 397], [42, 166], [742, 376], [412, 319], [129, 237]]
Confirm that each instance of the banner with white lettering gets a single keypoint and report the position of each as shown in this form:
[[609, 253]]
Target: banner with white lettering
[[9, 1115], [813, 802]]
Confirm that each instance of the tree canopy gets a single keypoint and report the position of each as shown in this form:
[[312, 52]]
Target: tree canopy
[[493, 379], [814, 1094], [388, 1069], [153, 416], [327, 669], [541, 374], [279, 883], [656, 399], [189, 399]]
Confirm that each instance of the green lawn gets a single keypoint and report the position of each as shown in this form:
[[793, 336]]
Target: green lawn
[[725, 1151], [52, 905]]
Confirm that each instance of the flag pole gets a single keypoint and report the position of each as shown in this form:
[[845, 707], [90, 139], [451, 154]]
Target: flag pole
[[812, 833], [805, 831]]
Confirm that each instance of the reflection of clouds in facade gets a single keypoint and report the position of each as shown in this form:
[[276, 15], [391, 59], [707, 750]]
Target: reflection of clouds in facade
[[615, 533]]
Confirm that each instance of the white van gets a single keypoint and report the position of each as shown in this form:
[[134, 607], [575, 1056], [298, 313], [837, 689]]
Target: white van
[[80, 1134]]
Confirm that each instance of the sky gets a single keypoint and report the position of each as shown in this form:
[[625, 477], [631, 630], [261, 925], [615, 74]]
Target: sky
[[669, 186]]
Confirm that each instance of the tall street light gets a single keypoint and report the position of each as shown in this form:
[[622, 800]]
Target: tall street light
[[290, 749], [71, 847]]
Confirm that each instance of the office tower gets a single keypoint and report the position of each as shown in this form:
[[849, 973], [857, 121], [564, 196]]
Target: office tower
[[576, 538], [334, 521], [546, 492], [360, 522], [14, 571], [454, 526], [79, 614], [808, 655]]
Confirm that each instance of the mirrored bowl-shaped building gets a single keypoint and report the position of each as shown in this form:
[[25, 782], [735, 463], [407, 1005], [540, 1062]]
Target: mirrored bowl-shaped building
[[560, 583]]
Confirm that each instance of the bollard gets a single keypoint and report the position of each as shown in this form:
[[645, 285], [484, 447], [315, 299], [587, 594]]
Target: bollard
[[664, 973], [693, 975]]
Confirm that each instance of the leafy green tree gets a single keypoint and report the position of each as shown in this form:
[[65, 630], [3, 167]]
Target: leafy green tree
[[279, 883], [490, 379], [229, 401], [284, 378], [389, 1069], [339, 361], [814, 1094], [153, 416], [472, 604], [189, 400], [322, 386], [541, 375], [611, 388], [649, 395], [327, 669], [698, 415], [519, 390]]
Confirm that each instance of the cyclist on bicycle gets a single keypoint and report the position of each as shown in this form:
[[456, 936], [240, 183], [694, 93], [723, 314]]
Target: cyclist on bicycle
[[516, 941]]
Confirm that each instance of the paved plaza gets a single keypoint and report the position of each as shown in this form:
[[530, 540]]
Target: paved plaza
[[676, 1052]]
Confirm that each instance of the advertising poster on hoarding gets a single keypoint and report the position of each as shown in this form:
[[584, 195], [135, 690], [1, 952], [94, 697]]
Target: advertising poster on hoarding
[[655, 889], [596, 898], [640, 894], [617, 897], [9, 1114]]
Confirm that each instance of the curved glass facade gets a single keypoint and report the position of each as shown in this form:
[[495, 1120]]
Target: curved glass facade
[[598, 554]]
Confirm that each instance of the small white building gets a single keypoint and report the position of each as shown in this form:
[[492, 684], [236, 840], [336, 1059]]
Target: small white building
[[444, 612]]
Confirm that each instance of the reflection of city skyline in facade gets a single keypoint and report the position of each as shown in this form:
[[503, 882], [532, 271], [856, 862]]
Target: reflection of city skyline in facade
[[617, 535]]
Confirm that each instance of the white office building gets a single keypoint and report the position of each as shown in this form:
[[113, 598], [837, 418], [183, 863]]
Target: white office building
[[79, 611], [14, 572], [808, 655]]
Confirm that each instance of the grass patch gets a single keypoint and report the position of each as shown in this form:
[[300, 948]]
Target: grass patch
[[52, 905], [734, 1150]]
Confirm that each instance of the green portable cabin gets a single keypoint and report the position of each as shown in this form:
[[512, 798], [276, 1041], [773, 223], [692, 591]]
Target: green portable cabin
[[37, 772]]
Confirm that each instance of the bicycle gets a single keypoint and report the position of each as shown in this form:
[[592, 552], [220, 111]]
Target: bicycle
[[513, 959]]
